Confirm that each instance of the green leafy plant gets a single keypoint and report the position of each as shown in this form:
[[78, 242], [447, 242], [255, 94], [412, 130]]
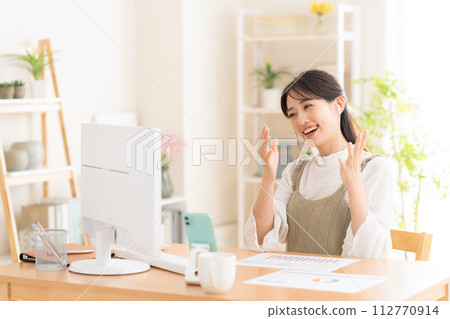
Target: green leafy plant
[[6, 84], [34, 63], [395, 131], [18, 83], [267, 76]]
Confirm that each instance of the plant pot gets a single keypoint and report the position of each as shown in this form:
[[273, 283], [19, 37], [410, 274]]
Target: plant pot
[[6, 92], [35, 152], [16, 160], [19, 92], [38, 89], [321, 26], [271, 98]]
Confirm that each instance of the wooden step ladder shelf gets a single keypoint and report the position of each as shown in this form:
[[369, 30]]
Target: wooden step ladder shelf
[[42, 175]]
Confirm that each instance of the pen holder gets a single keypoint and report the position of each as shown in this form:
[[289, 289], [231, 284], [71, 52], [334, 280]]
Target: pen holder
[[51, 249]]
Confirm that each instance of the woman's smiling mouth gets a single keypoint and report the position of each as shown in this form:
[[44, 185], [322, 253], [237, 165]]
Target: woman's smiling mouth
[[310, 131]]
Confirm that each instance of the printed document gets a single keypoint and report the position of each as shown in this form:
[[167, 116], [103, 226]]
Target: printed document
[[297, 262], [318, 281]]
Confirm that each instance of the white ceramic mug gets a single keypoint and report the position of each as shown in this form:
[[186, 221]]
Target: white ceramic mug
[[216, 271]]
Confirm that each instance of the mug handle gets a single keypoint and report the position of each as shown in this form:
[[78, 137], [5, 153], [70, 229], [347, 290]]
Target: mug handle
[[212, 270]]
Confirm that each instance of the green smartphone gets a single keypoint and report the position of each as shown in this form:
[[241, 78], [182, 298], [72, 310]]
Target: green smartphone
[[199, 229]]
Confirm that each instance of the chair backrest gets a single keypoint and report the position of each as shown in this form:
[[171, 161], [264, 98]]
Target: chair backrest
[[419, 243]]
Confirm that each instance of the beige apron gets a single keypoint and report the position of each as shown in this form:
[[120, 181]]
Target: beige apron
[[325, 220]]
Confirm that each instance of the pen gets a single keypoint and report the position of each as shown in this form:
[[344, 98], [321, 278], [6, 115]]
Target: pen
[[48, 243], [38, 227]]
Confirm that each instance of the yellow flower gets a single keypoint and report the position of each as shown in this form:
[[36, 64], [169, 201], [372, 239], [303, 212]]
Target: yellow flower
[[321, 8], [314, 7]]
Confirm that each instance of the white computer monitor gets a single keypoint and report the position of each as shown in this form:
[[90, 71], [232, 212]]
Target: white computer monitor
[[120, 195]]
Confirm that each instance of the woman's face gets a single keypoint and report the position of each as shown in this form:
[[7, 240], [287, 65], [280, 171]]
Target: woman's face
[[316, 121]]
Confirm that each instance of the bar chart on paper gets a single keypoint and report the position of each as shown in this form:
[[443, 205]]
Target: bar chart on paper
[[296, 262]]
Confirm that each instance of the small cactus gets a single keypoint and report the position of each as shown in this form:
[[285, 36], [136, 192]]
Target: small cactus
[[18, 83]]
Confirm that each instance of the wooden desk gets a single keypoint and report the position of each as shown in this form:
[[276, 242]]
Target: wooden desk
[[408, 280]]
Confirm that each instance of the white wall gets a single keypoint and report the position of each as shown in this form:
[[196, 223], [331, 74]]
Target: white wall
[[189, 48], [209, 95], [160, 72], [94, 74]]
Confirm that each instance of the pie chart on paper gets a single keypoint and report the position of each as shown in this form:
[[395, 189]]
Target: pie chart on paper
[[326, 280]]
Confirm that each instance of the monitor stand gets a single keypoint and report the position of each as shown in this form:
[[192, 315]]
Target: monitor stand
[[103, 264]]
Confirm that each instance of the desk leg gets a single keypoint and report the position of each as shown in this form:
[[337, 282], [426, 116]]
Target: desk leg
[[4, 293], [446, 297]]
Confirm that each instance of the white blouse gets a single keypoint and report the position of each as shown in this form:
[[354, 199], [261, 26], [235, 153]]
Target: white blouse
[[321, 179]]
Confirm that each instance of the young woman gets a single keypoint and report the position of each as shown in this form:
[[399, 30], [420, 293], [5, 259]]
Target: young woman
[[338, 202]]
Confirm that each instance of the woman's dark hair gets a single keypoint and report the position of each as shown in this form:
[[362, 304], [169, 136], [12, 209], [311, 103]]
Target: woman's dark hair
[[317, 84]]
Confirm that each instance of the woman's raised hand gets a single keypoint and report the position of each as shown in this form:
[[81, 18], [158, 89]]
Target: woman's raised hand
[[351, 168], [269, 155]]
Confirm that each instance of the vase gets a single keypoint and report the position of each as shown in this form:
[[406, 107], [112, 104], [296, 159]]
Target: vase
[[166, 184], [321, 26], [38, 88], [271, 98], [35, 152], [6, 92], [19, 92], [16, 160]]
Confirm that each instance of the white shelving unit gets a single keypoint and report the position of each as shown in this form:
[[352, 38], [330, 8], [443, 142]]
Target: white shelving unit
[[347, 30], [172, 210]]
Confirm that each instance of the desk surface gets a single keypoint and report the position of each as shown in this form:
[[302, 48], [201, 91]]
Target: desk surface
[[408, 280]]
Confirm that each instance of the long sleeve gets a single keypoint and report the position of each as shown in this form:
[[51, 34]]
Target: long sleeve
[[279, 232], [373, 237]]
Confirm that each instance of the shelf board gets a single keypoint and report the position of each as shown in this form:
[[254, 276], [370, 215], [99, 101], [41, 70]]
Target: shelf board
[[259, 110], [31, 101], [348, 36], [280, 38], [38, 175], [12, 106], [173, 200]]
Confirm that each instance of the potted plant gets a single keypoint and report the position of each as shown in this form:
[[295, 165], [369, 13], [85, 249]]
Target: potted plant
[[395, 131], [6, 90], [35, 64], [267, 76], [19, 89]]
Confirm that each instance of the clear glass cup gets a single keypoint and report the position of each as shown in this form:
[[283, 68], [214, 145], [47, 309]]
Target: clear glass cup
[[51, 249]]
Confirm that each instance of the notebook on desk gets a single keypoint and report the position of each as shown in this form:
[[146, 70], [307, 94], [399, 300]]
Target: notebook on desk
[[30, 256]]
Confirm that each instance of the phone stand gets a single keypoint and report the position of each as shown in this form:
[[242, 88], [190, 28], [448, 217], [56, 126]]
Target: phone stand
[[192, 277]]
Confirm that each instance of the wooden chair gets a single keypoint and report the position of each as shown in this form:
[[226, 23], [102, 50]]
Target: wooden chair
[[419, 243]]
